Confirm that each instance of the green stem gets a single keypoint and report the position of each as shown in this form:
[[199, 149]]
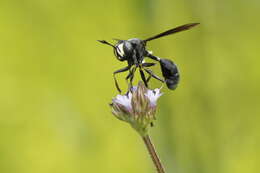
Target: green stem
[[153, 154]]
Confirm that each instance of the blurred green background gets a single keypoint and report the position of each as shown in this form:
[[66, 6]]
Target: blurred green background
[[56, 83]]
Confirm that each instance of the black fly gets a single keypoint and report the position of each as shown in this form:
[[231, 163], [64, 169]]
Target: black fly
[[134, 51]]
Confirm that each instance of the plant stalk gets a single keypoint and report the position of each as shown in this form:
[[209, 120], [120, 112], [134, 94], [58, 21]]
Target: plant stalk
[[153, 154]]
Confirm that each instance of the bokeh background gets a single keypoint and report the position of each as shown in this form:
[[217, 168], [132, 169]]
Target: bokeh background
[[56, 83]]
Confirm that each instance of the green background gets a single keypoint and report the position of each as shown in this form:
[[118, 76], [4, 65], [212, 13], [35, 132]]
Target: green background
[[56, 83]]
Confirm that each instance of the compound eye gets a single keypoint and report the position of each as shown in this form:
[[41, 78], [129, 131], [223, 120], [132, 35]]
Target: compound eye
[[119, 52]]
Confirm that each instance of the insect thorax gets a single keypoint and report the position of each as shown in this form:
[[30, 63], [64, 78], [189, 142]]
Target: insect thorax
[[131, 50]]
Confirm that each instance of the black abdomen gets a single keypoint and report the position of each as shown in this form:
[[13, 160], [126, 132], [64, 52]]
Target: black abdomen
[[170, 73]]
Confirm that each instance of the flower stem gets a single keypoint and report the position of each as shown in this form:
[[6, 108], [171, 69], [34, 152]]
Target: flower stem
[[153, 154]]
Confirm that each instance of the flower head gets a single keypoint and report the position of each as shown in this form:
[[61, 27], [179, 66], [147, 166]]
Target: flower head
[[137, 107]]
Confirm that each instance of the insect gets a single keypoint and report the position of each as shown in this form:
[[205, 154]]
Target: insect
[[134, 52]]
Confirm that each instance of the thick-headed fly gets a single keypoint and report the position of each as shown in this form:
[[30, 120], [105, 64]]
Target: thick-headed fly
[[134, 51]]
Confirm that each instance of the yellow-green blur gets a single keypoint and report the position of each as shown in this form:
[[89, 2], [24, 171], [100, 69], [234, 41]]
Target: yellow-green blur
[[56, 83]]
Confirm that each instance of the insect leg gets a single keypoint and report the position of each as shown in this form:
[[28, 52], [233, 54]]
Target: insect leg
[[147, 64], [119, 71], [130, 74], [132, 77], [150, 72], [143, 76], [148, 79]]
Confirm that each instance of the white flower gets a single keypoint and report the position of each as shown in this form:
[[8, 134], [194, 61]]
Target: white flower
[[153, 95], [124, 100], [137, 107]]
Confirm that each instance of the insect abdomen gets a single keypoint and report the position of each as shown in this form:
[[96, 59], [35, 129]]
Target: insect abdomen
[[170, 73]]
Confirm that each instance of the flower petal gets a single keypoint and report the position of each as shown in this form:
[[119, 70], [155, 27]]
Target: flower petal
[[153, 95], [124, 100]]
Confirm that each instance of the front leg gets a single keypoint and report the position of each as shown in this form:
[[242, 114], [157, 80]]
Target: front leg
[[119, 71]]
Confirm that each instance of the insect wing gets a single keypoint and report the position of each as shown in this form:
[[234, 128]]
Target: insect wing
[[172, 31]]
